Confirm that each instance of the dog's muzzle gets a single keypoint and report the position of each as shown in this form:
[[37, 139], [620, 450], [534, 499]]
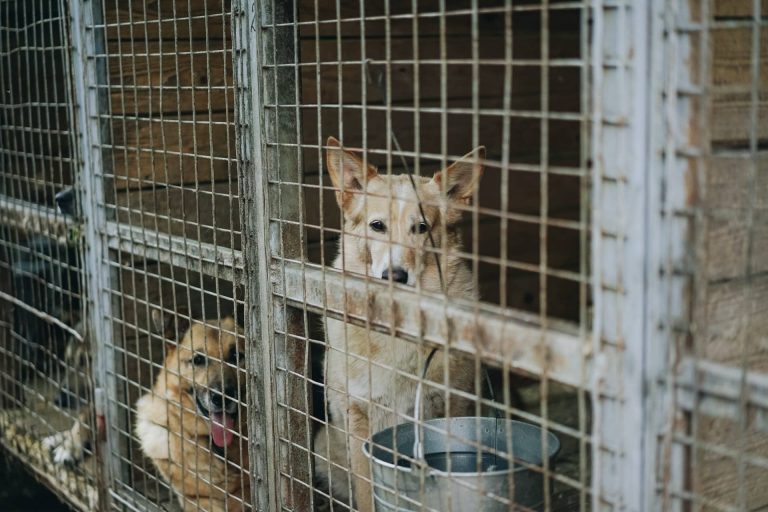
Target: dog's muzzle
[[220, 407]]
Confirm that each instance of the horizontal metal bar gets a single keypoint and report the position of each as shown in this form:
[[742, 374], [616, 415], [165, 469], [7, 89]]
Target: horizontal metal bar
[[433, 14], [407, 109], [718, 389], [499, 335], [205, 258]]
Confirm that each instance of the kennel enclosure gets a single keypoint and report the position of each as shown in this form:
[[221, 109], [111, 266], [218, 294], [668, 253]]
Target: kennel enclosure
[[618, 239]]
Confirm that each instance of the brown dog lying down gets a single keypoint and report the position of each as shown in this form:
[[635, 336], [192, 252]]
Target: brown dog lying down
[[193, 422]]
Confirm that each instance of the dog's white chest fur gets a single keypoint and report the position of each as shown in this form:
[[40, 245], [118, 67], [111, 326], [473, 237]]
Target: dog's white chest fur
[[386, 382], [153, 437]]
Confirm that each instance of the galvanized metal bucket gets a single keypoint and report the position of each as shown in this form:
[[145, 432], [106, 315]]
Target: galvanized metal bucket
[[454, 473]]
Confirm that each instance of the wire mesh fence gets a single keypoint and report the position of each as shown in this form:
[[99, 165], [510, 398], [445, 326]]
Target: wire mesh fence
[[721, 433], [384, 255], [46, 369], [367, 112]]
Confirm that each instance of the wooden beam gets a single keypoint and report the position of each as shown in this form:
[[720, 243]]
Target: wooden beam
[[500, 336], [195, 256]]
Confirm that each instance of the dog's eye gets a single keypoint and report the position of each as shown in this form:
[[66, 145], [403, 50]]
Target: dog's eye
[[421, 227], [198, 360], [378, 226]]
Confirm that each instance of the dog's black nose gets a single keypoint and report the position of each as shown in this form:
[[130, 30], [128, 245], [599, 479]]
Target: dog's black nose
[[399, 275], [220, 397], [217, 399]]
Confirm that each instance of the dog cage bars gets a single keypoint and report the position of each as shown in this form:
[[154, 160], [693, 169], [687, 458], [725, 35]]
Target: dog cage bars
[[638, 298], [286, 285], [301, 285], [643, 137], [89, 70]]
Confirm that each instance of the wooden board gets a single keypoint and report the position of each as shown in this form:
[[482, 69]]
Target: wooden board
[[732, 58], [170, 77], [729, 191], [185, 149], [728, 185], [169, 58], [208, 213], [524, 139], [727, 239], [731, 122], [737, 8], [717, 474], [353, 15], [526, 45], [167, 19], [732, 83], [348, 83], [726, 336]]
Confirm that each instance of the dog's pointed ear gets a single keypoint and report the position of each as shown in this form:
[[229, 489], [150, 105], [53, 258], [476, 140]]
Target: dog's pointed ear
[[171, 326], [462, 177], [348, 172]]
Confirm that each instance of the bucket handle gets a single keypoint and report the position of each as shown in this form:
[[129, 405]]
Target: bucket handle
[[418, 446]]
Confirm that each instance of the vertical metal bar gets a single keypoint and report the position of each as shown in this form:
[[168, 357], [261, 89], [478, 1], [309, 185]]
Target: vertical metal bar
[[749, 333], [283, 168], [585, 312], [664, 242], [253, 182], [620, 57], [639, 185], [90, 101]]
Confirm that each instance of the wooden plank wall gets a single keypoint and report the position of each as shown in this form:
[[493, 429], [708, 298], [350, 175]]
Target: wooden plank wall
[[731, 54], [172, 147], [733, 282], [333, 89]]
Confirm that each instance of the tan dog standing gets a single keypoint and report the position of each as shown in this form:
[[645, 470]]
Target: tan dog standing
[[193, 422], [371, 377]]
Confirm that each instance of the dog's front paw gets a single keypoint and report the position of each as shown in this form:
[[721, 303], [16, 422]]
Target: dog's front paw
[[65, 450], [52, 441]]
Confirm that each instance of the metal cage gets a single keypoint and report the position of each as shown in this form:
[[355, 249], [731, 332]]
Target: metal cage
[[240, 245]]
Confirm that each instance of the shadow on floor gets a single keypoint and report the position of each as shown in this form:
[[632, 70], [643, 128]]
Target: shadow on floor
[[21, 492]]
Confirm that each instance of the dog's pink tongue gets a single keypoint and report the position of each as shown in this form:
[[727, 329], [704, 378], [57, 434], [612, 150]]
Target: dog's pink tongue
[[221, 429]]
